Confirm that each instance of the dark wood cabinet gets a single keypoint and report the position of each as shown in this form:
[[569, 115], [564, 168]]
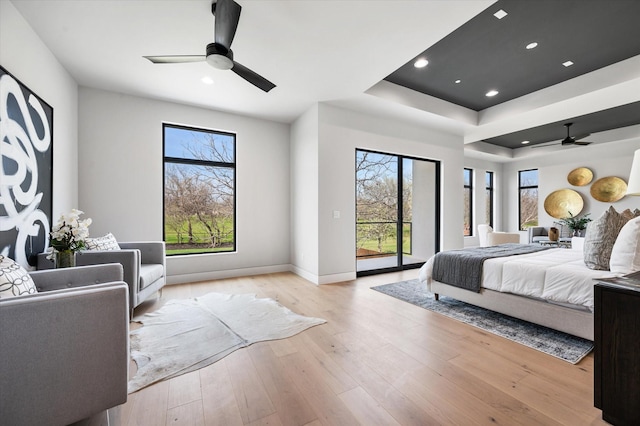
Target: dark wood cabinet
[[617, 352]]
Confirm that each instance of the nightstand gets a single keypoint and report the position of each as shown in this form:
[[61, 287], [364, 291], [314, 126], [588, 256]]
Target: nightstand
[[617, 350]]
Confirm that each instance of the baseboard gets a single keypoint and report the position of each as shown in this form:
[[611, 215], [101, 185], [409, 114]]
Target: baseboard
[[337, 278], [229, 273], [323, 279], [261, 270]]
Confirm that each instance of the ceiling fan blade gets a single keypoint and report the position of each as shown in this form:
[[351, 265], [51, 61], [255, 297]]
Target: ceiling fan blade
[[253, 78], [227, 15], [177, 59], [544, 145], [582, 143], [582, 136]]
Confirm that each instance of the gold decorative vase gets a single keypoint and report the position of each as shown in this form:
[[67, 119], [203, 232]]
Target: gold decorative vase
[[64, 259]]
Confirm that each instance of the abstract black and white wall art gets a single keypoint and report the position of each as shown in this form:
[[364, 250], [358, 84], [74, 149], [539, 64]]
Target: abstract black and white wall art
[[26, 169]]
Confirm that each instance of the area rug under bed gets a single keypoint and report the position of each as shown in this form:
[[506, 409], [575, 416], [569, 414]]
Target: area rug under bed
[[556, 343], [188, 334]]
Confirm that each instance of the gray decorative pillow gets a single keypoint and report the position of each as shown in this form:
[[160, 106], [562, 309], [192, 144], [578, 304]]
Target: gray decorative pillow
[[108, 242], [631, 214], [14, 279], [601, 236]]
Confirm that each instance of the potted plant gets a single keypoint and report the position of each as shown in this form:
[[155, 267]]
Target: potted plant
[[575, 223]]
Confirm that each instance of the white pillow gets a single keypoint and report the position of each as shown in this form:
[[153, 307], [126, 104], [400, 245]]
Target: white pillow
[[14, 279], [625, 255], [577, 243], [108, 242]]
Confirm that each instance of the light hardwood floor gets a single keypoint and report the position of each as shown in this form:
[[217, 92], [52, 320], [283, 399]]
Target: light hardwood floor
[[377, 361]]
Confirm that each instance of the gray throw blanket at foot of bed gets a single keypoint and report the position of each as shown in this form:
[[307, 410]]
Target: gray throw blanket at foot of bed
[[463, 268]]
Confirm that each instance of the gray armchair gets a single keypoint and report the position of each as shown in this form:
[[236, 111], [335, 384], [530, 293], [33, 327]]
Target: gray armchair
[[143, 262], [65, 349], [537, 234]]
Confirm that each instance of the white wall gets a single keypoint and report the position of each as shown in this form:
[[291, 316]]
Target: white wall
[[341, 132], [479, 168], [610, 159], [121, 180], [28, 59], [304, 194]]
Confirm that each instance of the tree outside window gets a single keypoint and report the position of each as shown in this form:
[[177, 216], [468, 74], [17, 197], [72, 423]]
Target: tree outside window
[[528, 198], [199, 190], [489, 198], [468, 203]]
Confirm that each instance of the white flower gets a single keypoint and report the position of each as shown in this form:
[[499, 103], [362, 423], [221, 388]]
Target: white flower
[[70, 232]]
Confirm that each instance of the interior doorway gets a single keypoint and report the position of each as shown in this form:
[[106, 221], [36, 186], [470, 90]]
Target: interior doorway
[[397, 211]]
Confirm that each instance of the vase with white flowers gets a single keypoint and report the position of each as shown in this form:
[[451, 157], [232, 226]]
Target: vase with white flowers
[[67, 238]]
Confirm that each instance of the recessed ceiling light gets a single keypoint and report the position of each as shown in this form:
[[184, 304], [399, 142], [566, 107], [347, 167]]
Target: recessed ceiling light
[[491, 93], [567, 64], [525, 142], [458, 81], [207, 80], [420, 63], [532, 45], [500, 14]]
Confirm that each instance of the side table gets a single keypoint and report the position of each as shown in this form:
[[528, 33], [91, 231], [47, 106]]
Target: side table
[[617, 349]]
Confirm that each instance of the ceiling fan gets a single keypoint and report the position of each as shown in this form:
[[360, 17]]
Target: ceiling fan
[[219, 54], [569, 140]]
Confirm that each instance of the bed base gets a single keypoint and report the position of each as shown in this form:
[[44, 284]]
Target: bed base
[[573, 321]]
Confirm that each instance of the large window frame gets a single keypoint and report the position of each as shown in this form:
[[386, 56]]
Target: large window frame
[[393, 179], [524, 187], [490, 200], [467, 176], [199, 188]]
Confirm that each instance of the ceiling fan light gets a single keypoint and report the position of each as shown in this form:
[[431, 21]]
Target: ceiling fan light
[[220, 62]]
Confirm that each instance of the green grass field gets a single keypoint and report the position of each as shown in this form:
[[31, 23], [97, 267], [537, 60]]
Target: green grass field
[[389, 244], [201, 237]]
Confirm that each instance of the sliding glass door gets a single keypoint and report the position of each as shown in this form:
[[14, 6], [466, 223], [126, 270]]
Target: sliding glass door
[[397, 211]]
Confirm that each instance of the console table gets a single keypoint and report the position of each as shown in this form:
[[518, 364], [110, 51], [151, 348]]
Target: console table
[[617, 350], [562, 242]]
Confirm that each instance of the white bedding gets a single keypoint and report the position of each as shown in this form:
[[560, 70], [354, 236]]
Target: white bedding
[[558, 275]]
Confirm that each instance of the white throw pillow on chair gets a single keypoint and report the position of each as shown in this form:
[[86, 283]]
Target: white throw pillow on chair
[[14, 279], [108, 242], [483, 231]]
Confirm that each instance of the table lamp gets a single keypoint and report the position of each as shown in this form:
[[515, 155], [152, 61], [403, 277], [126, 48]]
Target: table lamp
[[633, 187]]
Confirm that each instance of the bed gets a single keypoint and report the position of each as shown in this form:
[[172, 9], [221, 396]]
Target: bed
[[552, 288]]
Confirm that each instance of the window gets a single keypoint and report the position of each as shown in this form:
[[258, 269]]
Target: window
[[397, 211], [468, 202], [528, 198], [199, 190], [489, 198]]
